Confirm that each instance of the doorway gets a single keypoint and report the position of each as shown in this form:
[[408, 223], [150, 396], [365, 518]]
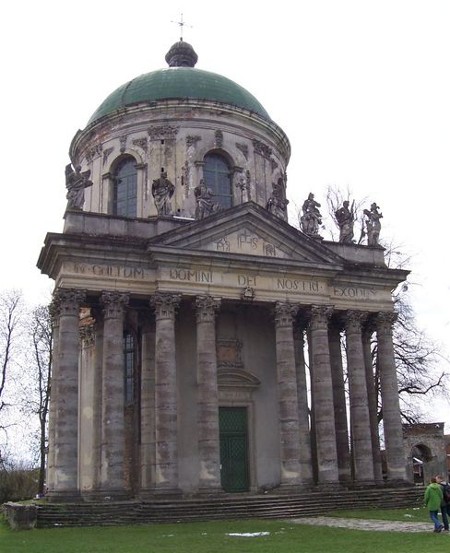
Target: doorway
[[233, 429]]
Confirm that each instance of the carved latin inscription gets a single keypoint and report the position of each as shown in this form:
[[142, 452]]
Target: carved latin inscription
[[115, 271], [191, 276], [354, 292], [295, 285]]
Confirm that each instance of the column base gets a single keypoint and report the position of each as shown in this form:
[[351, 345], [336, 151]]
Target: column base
[[160, 493], [211, 491], [106, 495], [293, 489], [66, 496], [398, 483]]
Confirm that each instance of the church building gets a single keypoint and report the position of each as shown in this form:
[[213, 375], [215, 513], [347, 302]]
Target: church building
[[198, 336]]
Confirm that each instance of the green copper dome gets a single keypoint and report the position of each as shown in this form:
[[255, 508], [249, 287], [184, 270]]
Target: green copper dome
[[179, 82]]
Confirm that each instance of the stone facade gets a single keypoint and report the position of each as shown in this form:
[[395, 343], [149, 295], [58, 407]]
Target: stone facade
[[202, 356]]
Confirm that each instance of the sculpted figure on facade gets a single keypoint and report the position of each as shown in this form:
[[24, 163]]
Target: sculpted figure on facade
[[311, 217], [345, 217], [277, 203], [76, 182], [204, 198], [373, 224], [162, 191]]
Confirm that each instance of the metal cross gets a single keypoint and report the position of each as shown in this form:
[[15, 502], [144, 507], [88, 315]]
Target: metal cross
[[181, 24]]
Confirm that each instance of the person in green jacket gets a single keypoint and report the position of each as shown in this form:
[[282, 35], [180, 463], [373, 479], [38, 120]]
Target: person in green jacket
[[433, 499]]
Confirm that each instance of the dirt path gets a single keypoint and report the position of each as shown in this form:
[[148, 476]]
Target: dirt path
[[372, 525]]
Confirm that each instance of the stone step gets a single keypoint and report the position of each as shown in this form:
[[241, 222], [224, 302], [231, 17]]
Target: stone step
[[267, 506]]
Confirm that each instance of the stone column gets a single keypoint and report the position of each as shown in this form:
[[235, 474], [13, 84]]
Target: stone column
[[54, 314], [112, 480], [305, 454], [322, 391], [340, 402], [287, 395], [393, 432], [372, 401], [359, 408], [208, 395], [166, 411], [65, 483], [148, 408]]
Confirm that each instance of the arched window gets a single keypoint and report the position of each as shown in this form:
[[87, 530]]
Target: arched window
[[125, 188], [217, 176], [129, 362]]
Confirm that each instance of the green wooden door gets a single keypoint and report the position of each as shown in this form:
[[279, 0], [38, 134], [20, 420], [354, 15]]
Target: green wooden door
[[233, 449]]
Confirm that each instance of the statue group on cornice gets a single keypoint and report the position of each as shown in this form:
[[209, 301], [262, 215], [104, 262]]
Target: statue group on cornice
[[345, 217], [310, 219]]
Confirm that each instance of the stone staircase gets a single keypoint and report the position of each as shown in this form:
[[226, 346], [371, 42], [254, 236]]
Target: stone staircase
[[228, 507]]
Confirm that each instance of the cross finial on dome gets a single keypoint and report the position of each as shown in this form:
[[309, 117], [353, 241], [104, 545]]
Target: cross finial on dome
[[181, 24]]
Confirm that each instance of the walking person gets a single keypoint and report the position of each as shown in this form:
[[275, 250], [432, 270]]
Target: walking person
[[433, 499], [445, 505]]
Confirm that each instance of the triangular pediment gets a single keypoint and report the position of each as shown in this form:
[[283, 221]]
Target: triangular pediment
[[247, 230]]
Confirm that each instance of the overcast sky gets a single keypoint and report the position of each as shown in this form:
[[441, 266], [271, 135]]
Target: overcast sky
[[361, 88]]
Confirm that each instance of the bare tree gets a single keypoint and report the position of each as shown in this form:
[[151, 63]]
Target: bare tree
[[36, 396], [11, 318], [418, 360]]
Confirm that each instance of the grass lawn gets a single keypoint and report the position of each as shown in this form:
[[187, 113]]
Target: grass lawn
[[217, 537]]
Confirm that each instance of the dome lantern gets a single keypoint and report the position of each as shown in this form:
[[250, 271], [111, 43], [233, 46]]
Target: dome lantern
[[181, 54]]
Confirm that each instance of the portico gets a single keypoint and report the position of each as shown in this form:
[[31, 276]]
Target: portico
[[208, 331]]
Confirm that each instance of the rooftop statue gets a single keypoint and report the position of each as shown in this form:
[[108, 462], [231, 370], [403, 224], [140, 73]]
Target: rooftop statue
[[162, 191], [373, 224], [345, 217], [311, 217], [76, 182]]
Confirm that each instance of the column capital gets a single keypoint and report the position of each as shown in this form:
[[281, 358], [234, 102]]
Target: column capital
[[54, 310], [67, 301], [385, 319], [285, 313], [354, 320], [87, 334], [165, 305], [114, 303], [207, 308], [320, 316]]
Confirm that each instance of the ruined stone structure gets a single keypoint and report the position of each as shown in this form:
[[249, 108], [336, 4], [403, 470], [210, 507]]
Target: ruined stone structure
[[425, 451], [197, 335]]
